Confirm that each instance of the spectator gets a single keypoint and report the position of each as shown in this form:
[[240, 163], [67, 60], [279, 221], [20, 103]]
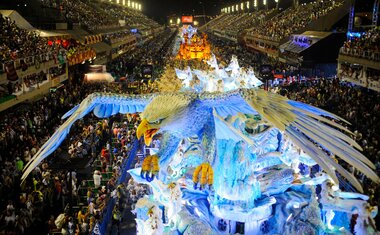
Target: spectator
[[97, 179]]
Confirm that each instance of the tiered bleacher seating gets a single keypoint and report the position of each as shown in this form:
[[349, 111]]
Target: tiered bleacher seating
[[359, 60], [101, 15], [133, 18], [271, 25], [292, 20], [232, 25]]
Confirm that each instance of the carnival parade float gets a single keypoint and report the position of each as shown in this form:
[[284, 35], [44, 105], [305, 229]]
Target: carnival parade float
[[235, 158], [193, 46]]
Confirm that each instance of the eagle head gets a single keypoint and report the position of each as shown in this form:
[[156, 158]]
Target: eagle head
[[160, 113]]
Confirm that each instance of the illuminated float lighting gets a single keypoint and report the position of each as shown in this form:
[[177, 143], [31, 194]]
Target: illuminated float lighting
[[197, 212]]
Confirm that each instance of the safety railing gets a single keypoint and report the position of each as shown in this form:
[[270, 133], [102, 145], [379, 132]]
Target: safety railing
[[123, 176]]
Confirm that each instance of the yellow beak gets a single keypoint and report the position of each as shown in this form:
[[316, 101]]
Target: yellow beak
[[145, 129]]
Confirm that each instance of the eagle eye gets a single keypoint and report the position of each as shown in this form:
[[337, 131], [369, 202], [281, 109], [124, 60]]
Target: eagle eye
[[158, 121]]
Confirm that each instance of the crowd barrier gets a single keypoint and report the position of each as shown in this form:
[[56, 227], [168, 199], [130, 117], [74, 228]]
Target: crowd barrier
[[366, 54], [107, 216]]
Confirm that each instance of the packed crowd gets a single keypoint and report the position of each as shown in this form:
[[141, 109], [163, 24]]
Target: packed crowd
[[16, 43], [154, 52], [293, 19], [99, 15], [132, 18], [233, 24], [224, 49], [82, 13], [117, 36], [22, 133], [367, 46], [46, 193]]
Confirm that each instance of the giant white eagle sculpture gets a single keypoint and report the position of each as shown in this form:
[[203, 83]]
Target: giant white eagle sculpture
[[187, 114]]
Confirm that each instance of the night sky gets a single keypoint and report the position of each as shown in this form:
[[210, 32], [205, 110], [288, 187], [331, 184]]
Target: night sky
[[159, 9]]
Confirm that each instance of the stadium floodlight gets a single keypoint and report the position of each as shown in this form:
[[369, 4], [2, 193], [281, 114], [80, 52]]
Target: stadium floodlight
[[265, 2], [129, 3], [248, 5], [242, 6]]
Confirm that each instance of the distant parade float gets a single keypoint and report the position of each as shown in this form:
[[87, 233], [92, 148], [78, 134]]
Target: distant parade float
[[235, 158], [192, 45]]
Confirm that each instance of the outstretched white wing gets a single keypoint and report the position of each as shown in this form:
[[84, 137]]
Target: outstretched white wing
[[315, 131], [103, 105]]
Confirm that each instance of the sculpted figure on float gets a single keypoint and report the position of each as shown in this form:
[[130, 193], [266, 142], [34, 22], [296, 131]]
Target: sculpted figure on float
[[264, 137]]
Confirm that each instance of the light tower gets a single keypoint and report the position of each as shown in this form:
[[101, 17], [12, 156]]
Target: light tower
[[375, 13], [351, 18]]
